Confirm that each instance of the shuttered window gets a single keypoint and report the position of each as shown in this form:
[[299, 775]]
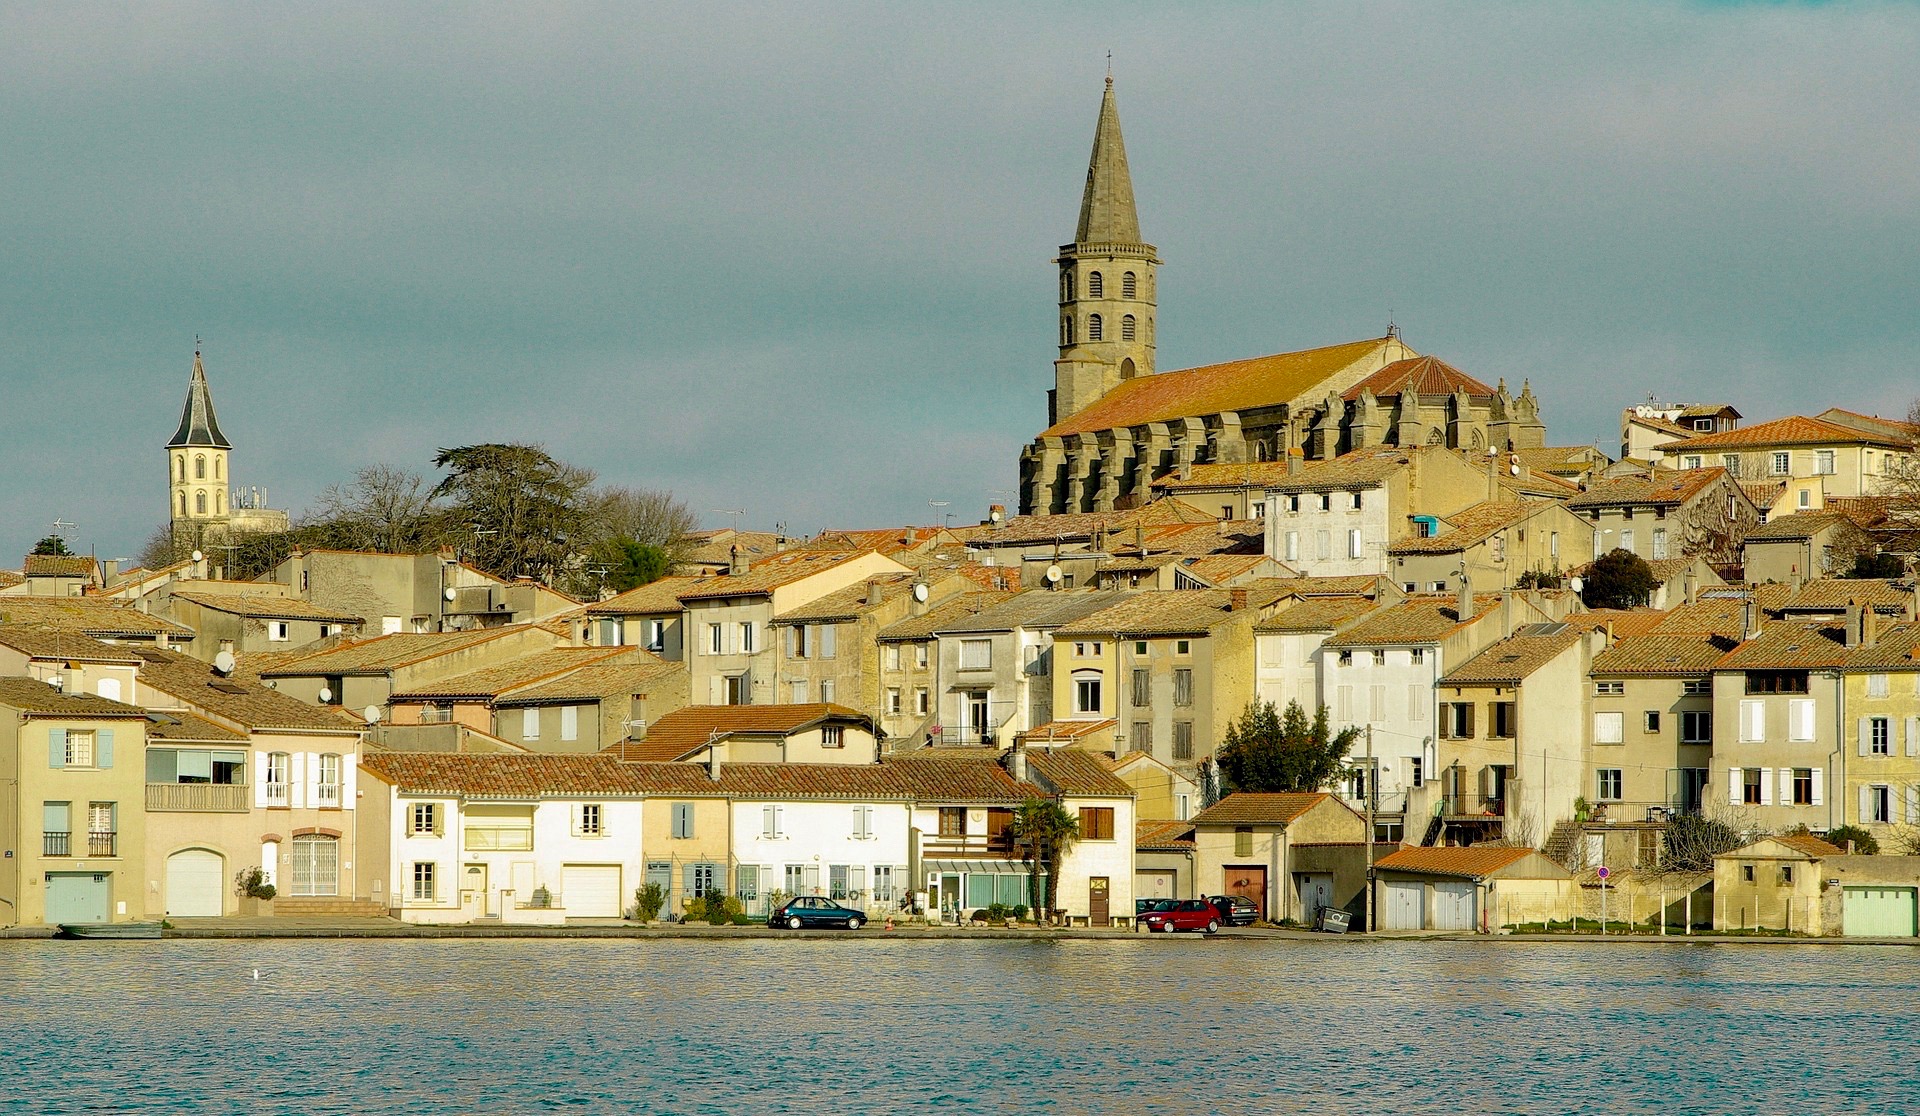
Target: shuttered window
[[1142, 688], [1096, 823], [1183, 740], [1183, 686], [683, 821]]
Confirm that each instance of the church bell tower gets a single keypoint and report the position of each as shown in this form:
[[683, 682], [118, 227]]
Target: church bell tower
[[197, 462]]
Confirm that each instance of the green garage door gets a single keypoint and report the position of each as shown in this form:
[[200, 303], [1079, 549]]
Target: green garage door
[[76, 897], [1878, 912]]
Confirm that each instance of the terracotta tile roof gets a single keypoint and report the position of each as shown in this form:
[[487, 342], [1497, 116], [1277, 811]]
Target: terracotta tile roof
[[491, 681], [1657, 423], [93, 615], [654, 597], [1833, 594], [1158, 835], [1892, 428], [1438, 860], [1763, 493], [1224, 475], [633, 673], [1359, 469], [1242, 808], [1421, 375], [1788, 646], [11, 578], [1161, 612], [1348, 586], [1467, 527], [1544, 485], [1241, 385], [53, 643], [716, 547], [1070, 771], [521, 776], [266, 608], [1215, 569], [1864, 511], [849, 603], [182, 727], [686, 730], [1802, 525], [1794, 430], [1663, 653], [1707, 616], [255, 706], [1318, 614], [768, 574], [1512, 659], [1068, 730], [1037, 608], [382, 654], [1811, 845], [60, 565], [886, 540], [924, 625], [33, 696], [1026, 530], [1665, 488], [1895, 647], [1554, 459], [1423, 619], [1622, 622]]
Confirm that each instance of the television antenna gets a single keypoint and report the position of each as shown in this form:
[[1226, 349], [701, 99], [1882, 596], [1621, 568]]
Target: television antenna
[[736, 513], [61, 526]]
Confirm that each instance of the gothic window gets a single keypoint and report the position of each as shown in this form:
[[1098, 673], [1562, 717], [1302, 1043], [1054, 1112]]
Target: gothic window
[[180, 467], [1129, 287], [1066, 330], [216, 468], [219, 503], [199, 467], [200, 503], [1066, 286], [1095, 287], [1093, 327], [1127, 328], [183, 496]]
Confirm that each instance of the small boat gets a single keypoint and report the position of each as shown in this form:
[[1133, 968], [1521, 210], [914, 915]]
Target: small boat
[[110, 929]]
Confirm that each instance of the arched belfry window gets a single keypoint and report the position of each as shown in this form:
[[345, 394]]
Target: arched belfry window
[[1129, 286], [200, 503], [180, 468], [1095, 286], [216, 468], [1066, 330], [1066, 286], [1127, 328], [183, 496], [219, 503], [199, 466], [1093, 327]]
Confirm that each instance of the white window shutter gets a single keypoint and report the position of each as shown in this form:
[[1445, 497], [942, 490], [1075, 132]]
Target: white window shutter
[[296, 780], [1865, 733], [1913, 805], [857, 878], [260, 780], [1866, 805], [1819, 786], [769, 821], [1733, 786], [1786, 786], [1913, 736], [1766, 786], [714, 692], [826, 641], [349, 780]]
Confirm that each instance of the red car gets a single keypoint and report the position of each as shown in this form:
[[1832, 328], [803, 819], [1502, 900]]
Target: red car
[[1183, 914]]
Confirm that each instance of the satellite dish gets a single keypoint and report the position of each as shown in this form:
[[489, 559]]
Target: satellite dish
[[223, 662], [1053, 573], [1514, 469], [920, 592], [449, 594], [326, 693], [1575, 584], [199, 557], [372, 714], [996, 515]]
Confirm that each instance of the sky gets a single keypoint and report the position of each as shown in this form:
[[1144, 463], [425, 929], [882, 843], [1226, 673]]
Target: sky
[[794, 262]]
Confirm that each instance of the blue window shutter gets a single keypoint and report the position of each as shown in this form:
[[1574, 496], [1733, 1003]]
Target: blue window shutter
[[57, 747], [103, 748]]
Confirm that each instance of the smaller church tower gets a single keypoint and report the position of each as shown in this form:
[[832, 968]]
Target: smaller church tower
[[197, 463], [1106, 281]]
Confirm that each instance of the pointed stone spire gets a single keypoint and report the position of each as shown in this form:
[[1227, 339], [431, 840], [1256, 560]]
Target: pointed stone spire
[[1107, 215], [198, 426]]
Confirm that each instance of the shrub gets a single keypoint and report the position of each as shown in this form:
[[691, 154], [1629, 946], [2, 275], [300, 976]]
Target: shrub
[[1863, 842], [1019, 910], [647, 902], [717, 908], [252, 884]]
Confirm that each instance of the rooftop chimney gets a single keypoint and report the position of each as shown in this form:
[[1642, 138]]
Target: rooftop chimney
[[1237, 600], [1466, 595], [1295, 458], [713, 760], [875, 593], [1869, 626], [1692, 583], [1017, 762], [736, 561], [1750, 628], [1853, 623]]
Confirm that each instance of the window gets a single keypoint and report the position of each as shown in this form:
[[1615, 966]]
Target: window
[[1417, 655], [199, 467], [1093, 327], [1697, 686], [1129, 288], [1183, 647], [1750, 786], [714, 640], [423, 819], [1505, 720], [1086, 693], [921, 701], [746, 637], [56, 825], [1323, 544], [797, 641], [1344, 658], [1128, 327], [892, 656], [1746, 873], [1140, 737], [1696, 726], [1353, 542], [893, 699], [1776, 681], [833, 736], [796, 877], [1786, 875], [74, 748], [883, 884], [1800, 720], [1609, 788], [1753, 722], [1803, 787], [772, 820], [1067, 286], [1066, 331], [1096, 287], [1140, 647], [1690, 461], [920, 656], [1096, 823], [1292, 548], [739, 689], [1141, 690], [1878, 737], [1650, 721], [826, 690], [1183, 686], [277, 631], [1626, 538], [327, 791], [423, 881], [1879, 804], [1416, 772], [1805, 497], [1876, 686], [683, 821], [1659, 543], [976, 654], [1243, 840], [702, 878], [953, 821], [275, 779], [1608, 728], [102, 828], [1731, 462], [1183, 740], [1823, 463], [1605, 688], [1379, 658], [797, 691], [530, 723], [1456, 719], [1782, 463], [589, 823]]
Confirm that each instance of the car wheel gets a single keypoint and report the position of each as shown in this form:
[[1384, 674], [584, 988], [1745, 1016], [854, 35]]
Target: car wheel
[[793, 923], [854, 924], [1167, 926], [1212, 926]]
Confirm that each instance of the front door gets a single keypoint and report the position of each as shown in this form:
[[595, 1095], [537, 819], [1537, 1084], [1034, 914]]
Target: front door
[[1316, 891], [950, 896], [1097, 902], [1249, 880], [316, 865], [473, 891], [77, 897], [976, 717]]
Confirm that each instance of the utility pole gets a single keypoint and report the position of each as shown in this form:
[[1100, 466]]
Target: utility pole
[[1373, 795]]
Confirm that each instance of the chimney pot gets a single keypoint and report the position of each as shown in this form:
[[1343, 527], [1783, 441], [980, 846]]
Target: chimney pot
[[1237, 600]]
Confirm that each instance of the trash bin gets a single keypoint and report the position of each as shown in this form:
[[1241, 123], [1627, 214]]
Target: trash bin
[[1333, 920]]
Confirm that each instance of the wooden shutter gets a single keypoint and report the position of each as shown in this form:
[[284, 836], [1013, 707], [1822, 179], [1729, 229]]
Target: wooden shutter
[[1913, 736], [857, 878], [715, 694], [1866, 805], [826, 640], [1733, 786], [1819, 786], [812, 877], [1864, 734], [57, 747], [1766, 786], [1913, 804], [768, 821], [296, 773], [793, 640], [1786, 786], [103, 748], [260, 779]]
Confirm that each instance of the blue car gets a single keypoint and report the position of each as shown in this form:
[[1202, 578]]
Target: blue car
[[815, 911]]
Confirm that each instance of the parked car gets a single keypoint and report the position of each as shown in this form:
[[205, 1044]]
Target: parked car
[[1142, 906], [815, 911], [1182, 914], [1235, 910]]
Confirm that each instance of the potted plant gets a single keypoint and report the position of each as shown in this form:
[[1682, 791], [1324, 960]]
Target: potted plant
[[256, 894]]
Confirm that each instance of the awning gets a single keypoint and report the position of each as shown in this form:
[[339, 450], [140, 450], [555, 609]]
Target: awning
[[985, 867]]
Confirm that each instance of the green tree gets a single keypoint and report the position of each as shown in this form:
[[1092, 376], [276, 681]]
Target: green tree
[[521, 512], [1618, 579], [1269, 751], [1876, 565], [54, 545], [1048, 831], [628, 563], [1864, 843]]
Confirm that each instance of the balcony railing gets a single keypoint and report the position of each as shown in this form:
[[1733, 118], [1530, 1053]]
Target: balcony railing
[[978, 844], [327, 794], [211, 798], [498, 839], [56, 844], [102, 844], [1472, 806], [278, 794]]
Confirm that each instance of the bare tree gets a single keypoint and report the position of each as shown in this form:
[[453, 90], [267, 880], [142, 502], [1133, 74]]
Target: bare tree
[[1715, 527], [648, 516], [384, 508]]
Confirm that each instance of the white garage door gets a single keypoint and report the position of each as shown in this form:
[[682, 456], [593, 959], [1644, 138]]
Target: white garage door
[[1404, 902], [1152, 884], [591, 890], [1453, 906], [196, 882]]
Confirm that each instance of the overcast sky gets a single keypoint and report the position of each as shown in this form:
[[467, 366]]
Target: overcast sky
[[795, 260]]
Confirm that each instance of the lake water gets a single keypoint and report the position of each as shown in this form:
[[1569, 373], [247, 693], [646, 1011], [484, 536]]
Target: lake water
[[807, 1025]]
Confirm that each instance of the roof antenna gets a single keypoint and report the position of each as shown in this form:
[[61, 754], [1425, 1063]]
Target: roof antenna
[[1109, 68], [1393, 331]]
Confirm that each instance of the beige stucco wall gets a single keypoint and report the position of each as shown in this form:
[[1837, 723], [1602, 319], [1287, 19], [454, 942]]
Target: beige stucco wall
[[31, 781]]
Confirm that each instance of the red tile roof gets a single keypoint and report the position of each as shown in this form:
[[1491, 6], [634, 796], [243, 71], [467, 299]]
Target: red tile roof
[[1794, 430], [1664, 488], [1070, 771], [1422, 375], [1176, 835], [59, 565], [1471, 862], [1244, 808], [685, 730]]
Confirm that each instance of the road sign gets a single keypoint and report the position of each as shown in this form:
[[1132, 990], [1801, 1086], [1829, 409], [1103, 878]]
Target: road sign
[[1603, 872]]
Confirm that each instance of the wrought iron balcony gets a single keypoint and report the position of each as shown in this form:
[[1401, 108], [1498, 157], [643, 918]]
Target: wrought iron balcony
[[102, 844], [56, 844]]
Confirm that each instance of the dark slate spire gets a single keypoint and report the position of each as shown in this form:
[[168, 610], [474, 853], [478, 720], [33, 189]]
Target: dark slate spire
[[1107, 215], [198, 427]]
